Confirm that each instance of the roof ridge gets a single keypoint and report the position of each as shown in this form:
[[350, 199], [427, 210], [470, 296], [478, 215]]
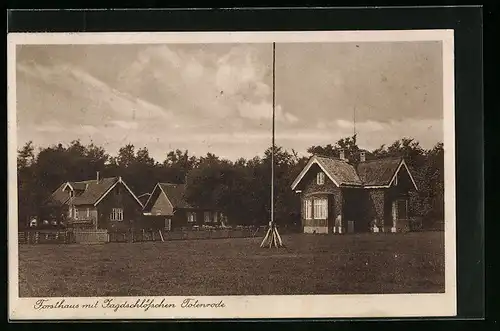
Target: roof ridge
[[329, 157], [383, 158], [81, 181], [93, 180]]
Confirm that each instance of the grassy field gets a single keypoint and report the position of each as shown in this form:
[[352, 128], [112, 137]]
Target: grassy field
[[311, 264]]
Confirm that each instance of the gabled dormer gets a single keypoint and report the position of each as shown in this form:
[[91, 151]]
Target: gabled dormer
[[69, 189]]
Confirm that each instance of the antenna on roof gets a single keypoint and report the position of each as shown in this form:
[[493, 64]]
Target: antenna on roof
[[354, 121]]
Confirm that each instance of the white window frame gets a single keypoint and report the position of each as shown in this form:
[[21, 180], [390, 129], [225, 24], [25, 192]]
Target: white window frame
[[206, 216], [320, 209], [117, 215], [191, 217], [320, 178], [76, 213], [88, 212], [308, 208]]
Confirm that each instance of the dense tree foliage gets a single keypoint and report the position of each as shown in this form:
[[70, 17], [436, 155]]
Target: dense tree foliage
[[240, 189]]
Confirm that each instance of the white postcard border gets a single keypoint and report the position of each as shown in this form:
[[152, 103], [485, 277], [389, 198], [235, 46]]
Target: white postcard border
[[293, 306]]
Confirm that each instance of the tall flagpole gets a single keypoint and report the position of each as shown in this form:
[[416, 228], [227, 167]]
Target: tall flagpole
[[272, 237], [272, 150]]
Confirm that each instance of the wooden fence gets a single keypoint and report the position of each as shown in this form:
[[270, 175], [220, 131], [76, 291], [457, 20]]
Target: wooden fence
[[157, 235], [63, 237], [45, 237], [92, 236]]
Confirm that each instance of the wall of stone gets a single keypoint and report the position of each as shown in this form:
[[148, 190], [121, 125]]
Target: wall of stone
[[309, 184], [377, 202]]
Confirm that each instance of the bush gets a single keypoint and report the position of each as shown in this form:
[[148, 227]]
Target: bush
[[416, 224]]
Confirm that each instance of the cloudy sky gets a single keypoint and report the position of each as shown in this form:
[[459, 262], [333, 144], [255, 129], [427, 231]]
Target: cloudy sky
[[218, 97]]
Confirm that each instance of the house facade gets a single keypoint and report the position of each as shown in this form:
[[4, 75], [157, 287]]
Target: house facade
[[101, 203], [167, 208], [339, 197]]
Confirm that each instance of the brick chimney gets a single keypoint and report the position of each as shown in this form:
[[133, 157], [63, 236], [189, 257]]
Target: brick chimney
[[342, 154], [362, 156]]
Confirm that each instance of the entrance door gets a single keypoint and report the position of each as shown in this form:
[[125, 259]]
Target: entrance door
[[350, 226], [402, 209], [332, 213]]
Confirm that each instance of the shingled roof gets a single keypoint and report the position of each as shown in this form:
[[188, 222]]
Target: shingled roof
[[374, 173], [378, 172], [144, 198], [88, 192], [175, 194], [342, 173]]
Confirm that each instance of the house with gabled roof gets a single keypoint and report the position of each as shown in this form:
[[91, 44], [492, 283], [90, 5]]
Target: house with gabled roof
[[100, 203], [338, 196], [167, 207]]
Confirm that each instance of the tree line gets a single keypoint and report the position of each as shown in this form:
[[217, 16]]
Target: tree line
[[240, 189]]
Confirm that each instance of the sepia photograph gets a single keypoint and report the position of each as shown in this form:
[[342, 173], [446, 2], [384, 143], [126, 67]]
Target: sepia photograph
[[233, 175]]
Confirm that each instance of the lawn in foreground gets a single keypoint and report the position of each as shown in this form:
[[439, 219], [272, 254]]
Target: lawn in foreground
[[311, 264]]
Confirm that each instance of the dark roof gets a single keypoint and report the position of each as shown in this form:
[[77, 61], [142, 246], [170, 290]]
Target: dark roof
[[369, 173], [144, 197], [93, 190], [175, 194], [79, 186], [59, 195], [378, 172], [341, 171]]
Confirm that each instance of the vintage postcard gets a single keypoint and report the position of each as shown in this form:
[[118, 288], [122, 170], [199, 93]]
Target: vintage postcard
[[227, 175]]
